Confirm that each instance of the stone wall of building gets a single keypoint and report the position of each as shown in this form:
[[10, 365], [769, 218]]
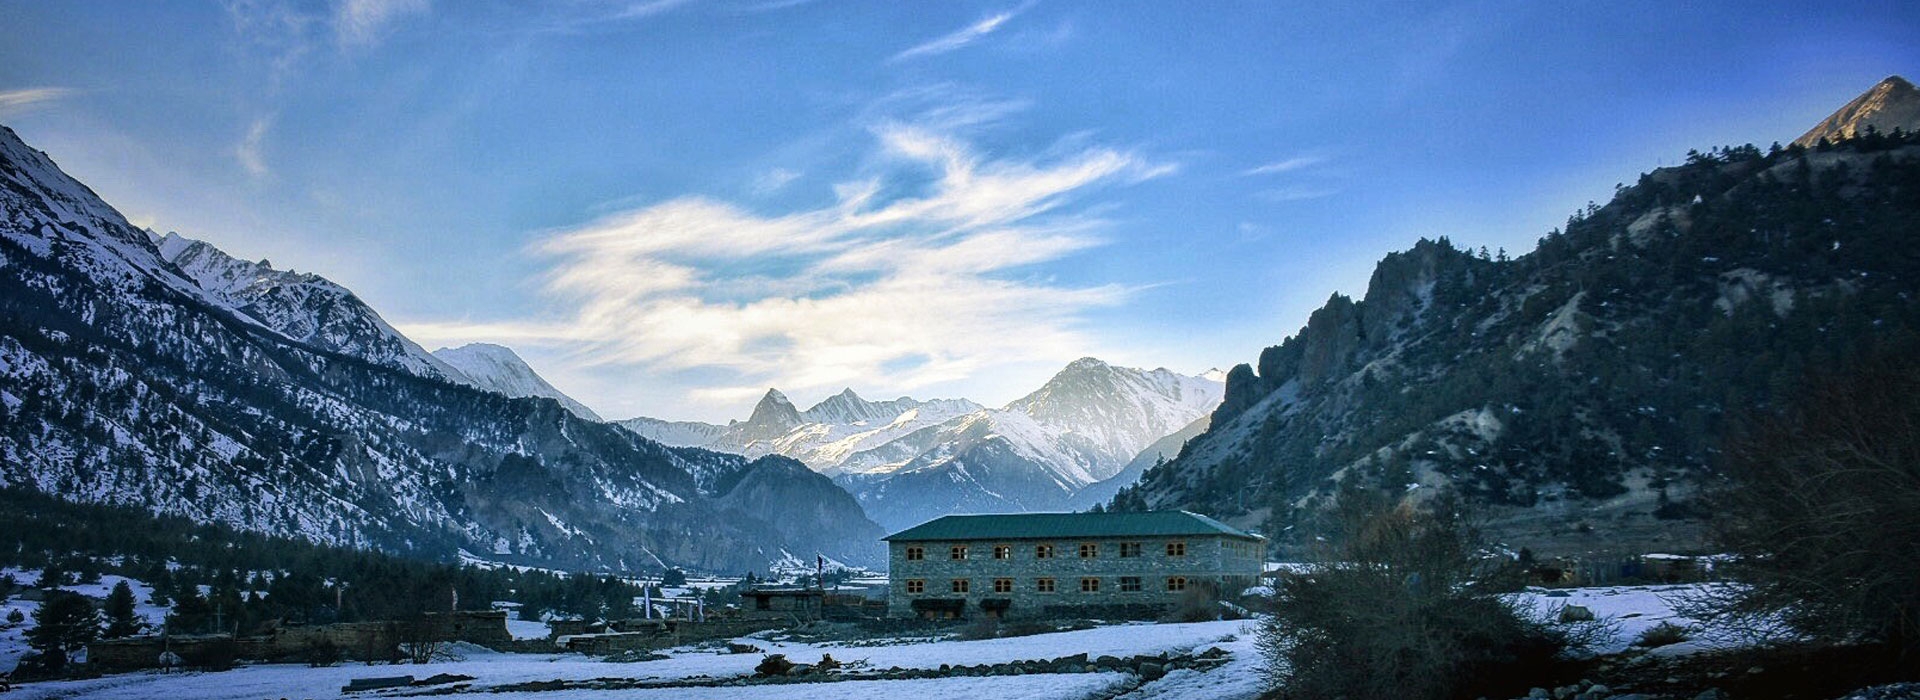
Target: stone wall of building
[[1223, 561]]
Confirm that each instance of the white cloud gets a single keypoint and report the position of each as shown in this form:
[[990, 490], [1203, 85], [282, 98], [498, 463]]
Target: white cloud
[[26, 100], [249, 151], [964, 36], [899, 282], [774, 180], [1285, 166], [365, 22]]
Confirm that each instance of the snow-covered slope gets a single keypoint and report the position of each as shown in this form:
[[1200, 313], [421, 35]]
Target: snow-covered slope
[[1082, 427], [498, 368], [303, 307], [124, 381], [908, 461]]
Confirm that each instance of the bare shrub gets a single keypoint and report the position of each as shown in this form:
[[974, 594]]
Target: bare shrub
[[1821, 509], [1663, 634], [1402, 606]]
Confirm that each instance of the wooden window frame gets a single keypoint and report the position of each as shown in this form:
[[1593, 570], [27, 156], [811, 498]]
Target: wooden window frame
[[1046, 584], [1003, 551], [916, 586], [1089, 550], [1176, 584], [1003, 585], [961, 586], [916, 553], [1129, 584], [1043, 551], [1089, 584], [1130, 550], [1177, 548], [957, 552]]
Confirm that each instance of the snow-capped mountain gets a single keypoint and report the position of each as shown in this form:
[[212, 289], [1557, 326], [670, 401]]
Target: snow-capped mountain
[[909, 461], [304, 307], [1084, 426], [498, 368], [199, 389]]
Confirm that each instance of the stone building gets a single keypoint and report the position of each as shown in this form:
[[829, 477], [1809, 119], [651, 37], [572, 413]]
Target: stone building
[[1065, 564]]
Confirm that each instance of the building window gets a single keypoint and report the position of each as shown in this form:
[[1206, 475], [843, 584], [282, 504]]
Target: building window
[[1089, 585], [1176, 549], [1003, 585], [961, 585], [1129, 549], [916, 553], [959, 551], [916, 585], [1176, 583], [1044, 585], [1043, 551], [1003, 551], [1129, 584], [1089, 550]]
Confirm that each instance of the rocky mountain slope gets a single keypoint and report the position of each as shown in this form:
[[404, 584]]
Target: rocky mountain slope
[[1579, 392], [204, 390], [497, 368], [303, 307], [1892, 104]]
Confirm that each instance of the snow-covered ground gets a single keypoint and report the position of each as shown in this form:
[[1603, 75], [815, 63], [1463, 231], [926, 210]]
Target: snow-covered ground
[[13, 642], [1629, 611], [1238, 679]]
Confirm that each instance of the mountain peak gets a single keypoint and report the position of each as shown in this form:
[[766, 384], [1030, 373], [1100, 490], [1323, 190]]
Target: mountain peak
[[499, 369], [772, 417], [1891, 104]]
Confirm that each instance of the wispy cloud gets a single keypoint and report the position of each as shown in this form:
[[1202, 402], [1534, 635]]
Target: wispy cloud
[[1296, 194], [774, 180], [957, 39], [22, 101], [359, 23], [1285, 166], [249, 152], [898, 281]]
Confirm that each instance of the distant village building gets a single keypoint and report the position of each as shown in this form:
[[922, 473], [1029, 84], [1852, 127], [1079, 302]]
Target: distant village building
[[1062, 564]]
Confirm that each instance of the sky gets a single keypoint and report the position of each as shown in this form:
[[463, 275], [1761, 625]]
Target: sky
[[669, 206]]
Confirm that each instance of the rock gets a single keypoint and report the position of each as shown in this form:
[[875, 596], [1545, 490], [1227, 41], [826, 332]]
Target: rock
[[774, 665], [800, 669], [827, 663], [443, 678], [1539, 694], [1755, 669], [1711, 694], [1600, 690], [738, 648], [1107, 661], [1565, 691], [1151, 671]]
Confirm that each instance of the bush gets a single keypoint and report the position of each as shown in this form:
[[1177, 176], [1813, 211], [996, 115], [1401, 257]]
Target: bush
[[1663, 634], [1199, 603], [323, 653], [1402, 607], [1821, 508]]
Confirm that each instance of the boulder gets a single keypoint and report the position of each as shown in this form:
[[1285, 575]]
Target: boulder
[[1151, 671], [774, 665], [1575, 613]]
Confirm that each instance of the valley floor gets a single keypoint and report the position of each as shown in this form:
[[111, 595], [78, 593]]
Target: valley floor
[[1631, 610]]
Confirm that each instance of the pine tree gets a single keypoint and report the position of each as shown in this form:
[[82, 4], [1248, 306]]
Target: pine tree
[[122, 621], [65, 623]]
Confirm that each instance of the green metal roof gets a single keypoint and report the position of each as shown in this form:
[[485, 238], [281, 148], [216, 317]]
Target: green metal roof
[[1040, 526]]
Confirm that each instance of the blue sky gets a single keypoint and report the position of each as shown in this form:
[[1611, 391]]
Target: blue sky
[[669, 206]]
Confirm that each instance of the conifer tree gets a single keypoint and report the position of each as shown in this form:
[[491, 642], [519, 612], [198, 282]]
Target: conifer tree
[[122, 621], [65, 623]]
